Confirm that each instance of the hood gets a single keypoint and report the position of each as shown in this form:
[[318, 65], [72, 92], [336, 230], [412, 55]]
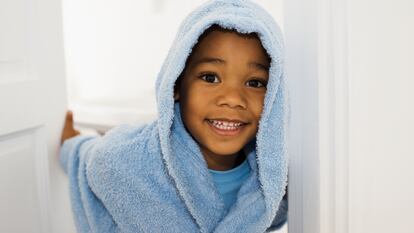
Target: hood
[[271, 156]]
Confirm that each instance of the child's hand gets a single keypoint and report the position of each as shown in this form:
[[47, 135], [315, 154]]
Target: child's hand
[[68, 130]]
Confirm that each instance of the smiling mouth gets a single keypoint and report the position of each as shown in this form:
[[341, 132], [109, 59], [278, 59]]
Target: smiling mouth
[[226, 127]]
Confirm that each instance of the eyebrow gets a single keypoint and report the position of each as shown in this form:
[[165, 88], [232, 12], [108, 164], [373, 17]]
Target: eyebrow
[[256, 65]]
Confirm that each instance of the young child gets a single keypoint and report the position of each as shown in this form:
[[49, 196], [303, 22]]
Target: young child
[[215, 160]]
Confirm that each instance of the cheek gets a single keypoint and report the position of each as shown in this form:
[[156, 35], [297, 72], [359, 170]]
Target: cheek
[[196, 96], [193, 105], [256, 105]]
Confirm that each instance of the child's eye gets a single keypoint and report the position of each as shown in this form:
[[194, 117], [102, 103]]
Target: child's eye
[[256, 83], [210, 78]]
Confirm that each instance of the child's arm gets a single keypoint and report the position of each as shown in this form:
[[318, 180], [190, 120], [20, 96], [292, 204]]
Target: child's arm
[[75, 154]]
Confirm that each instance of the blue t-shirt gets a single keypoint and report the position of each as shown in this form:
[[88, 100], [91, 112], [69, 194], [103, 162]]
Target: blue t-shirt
[[229, 182]]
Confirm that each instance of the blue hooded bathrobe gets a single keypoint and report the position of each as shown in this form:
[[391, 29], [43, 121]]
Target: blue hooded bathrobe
[[153, 178]]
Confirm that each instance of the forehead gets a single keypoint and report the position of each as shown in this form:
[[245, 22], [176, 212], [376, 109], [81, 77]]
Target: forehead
[[217, 42]]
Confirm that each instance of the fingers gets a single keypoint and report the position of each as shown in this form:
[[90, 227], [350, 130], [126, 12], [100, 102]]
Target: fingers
[[69, 117], [68, 129], [69, 121]]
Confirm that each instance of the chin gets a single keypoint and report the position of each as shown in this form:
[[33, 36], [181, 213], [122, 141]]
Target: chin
[[226, 151]]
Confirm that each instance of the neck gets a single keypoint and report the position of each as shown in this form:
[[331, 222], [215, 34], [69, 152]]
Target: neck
[[240, 159], [223, 163]]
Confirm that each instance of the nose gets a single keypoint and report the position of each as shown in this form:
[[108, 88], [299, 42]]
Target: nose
[[232, 97]]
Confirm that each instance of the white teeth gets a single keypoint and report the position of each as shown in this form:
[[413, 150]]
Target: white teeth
[[225, 125]]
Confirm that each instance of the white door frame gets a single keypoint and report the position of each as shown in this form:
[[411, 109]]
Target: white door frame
[[317, 70]]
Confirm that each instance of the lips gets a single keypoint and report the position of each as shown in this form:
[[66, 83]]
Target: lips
[[226, 127]]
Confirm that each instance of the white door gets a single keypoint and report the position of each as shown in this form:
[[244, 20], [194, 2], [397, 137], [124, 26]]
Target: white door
[[33, 189]]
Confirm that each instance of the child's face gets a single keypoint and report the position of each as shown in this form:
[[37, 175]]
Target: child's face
[[222, 91]]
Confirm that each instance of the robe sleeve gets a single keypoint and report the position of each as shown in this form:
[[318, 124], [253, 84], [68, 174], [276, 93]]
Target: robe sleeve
[[281, 216], [89, 212]]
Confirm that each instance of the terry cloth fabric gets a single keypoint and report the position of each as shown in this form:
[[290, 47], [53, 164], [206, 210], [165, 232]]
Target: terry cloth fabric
[[228, 182], [153, 178]]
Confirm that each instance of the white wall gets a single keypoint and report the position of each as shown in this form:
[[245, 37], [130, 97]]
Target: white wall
[[350, 66], [114, 50], [381, 116]]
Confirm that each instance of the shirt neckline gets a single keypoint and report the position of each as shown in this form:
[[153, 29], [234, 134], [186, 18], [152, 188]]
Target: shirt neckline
[[243, 164]]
